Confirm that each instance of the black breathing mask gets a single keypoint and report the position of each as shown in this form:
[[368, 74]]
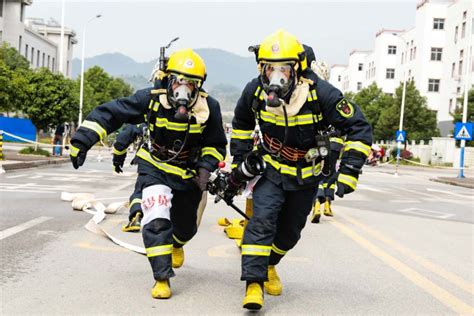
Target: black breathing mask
[[278, 82], [182, 94]]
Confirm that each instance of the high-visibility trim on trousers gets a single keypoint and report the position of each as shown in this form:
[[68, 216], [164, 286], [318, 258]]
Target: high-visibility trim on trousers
[[256, 250], [159, 251], [178, 241], [278, 250], [348, 180]]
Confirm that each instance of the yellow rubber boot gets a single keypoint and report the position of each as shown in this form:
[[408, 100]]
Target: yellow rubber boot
[[273, 286], [327, 208], [161, 290], [253, 299], [177, 257], [316, 212]]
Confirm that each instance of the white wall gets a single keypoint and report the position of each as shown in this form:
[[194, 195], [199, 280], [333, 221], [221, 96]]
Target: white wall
[[335, 76]]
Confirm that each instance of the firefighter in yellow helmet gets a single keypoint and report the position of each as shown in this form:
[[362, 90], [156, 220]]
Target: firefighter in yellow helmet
[[185, 144], [293, 108]]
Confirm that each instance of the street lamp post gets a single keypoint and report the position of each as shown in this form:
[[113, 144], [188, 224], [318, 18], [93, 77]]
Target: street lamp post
[[81, 93], [61, 40], [467, 83], [402, 110]]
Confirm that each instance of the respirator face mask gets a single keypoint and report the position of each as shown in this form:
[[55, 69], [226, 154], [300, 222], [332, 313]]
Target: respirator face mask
[[182, 94], [278, 81]]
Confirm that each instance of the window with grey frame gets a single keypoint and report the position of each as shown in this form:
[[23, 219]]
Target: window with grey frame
[[390, 73], [360, 67], [433, 85], [438, 24], [436, 53], [26, 51], [359, 86], [392, 49], [463, 30], [1, 8]]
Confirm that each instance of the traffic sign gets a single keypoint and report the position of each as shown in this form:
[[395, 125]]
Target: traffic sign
[[401, 136], [463, 131]]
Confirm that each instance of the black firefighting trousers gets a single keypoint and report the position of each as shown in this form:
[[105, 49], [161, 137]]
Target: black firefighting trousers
[[161, 234], [135, 200], [278, 218]]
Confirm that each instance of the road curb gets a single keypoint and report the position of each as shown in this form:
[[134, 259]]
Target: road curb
[[455, 181], [32, 164]]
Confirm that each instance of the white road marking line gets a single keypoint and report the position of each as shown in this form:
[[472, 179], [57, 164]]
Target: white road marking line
[[35, 177], [25, 191], [452, 193], [432, 197], [404, 201], [16, 176], [428, 213], [16, 229], [370, 188]]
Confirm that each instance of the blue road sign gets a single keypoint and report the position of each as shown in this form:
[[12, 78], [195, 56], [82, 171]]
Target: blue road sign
[[401, 136], [463, 131]]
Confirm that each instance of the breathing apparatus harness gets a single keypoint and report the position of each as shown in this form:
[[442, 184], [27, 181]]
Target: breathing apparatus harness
[[159, 75], [322, 148]]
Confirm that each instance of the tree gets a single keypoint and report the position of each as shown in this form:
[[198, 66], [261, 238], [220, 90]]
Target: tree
[[419, 121], [51, 100], [372, 101], [12, 58], [100, 87]]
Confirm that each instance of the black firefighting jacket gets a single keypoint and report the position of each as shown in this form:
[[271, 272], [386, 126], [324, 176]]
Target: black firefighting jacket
[[325, 106], [126, 137], [208, 138]]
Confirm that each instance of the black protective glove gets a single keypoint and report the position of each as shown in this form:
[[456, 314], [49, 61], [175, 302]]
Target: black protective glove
[[202, 178], [345, 180], [118, 161], [78, 153]]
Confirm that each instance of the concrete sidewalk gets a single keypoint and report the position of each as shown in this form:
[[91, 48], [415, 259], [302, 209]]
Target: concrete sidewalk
[[462, 182], [13, 160]]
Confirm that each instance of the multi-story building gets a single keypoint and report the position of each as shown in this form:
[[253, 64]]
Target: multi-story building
[[34, 39], [433, 54]]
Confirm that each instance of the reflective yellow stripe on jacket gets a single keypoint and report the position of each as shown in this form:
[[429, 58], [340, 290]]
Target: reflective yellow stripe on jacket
[[180, 127], [359, 146], [256, 250], [183, 173], [119, 153], [159, 251], [96, 128], [289, 170], [212, 152], [304, 119], [241, 134]]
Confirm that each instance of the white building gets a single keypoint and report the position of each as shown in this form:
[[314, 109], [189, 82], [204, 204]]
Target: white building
[[36, 40], [432, 54]]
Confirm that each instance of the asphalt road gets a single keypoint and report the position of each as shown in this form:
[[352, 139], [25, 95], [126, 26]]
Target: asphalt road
[[398, 245]]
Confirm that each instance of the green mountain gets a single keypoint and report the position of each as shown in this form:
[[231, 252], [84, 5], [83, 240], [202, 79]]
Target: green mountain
[[223, 68]]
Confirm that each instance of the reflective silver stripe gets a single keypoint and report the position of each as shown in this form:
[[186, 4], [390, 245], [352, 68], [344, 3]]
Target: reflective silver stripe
[[178, 241], [135, 201], [359, 146], [185, 174], [348, 180], [96, 128], [278, 120], [256, 250], [119, 153], [213, 152], [292, 171], [278, 250], [180, 127], [159, 251], [241, 134], [74, 151]]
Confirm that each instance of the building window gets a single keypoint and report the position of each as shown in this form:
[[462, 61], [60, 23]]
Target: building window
[[360, 67], [20, 39], [460, 68], [392, 49], [461, 53], [1, 8], [52, 65], [359, 86], [458, 90], [390, 73], [339, 78], [26, 51], [42, 64], [409, 72], [456, 29], [414, 53], [411, 53], [48, 61], [433, 85], [67, 68], [436, 53], [453, 70], [22, 12], [32, 54], [463, 30], [438, 24], [38, 58], [450, 104], [403, 54]]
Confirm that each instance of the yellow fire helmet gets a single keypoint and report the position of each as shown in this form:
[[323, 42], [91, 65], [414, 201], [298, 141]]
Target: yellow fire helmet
[[187, 63], [282, 46]]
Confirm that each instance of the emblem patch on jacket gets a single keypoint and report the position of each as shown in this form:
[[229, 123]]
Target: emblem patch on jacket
[[345, 108]]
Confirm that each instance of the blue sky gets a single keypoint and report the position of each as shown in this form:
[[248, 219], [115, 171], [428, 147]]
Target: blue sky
[[139, 28]]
